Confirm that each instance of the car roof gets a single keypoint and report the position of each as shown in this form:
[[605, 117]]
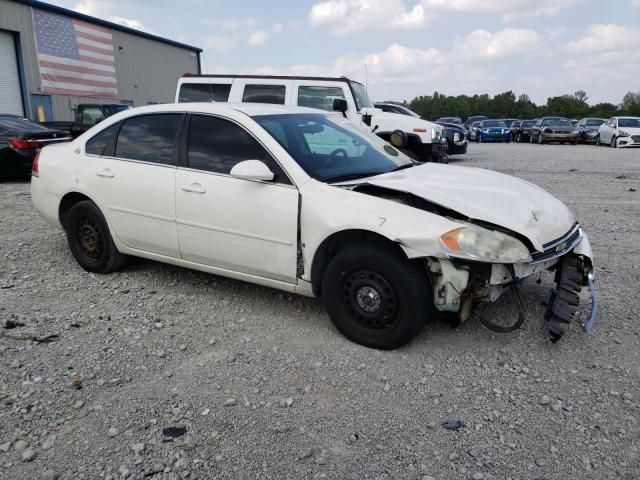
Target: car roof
[[250, 109]]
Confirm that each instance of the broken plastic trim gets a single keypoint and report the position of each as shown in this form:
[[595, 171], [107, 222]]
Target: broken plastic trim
[[589, 324]]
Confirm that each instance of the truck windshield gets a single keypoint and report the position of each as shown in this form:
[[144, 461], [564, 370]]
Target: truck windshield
[[360, 95], [331, 149]]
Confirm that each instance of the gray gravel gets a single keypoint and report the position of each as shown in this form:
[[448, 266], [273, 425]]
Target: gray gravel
[[263, 386]]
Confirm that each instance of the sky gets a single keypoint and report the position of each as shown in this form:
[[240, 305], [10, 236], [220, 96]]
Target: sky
[[542, 48]]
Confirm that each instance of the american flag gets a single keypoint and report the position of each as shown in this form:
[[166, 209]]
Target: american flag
[[75, 57]]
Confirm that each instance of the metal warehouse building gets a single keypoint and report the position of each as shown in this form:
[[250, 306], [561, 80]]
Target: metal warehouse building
[[52, 59]]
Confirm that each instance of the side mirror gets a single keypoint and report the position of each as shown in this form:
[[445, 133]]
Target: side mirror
[[399, 139], [340, 105], [252, 170]]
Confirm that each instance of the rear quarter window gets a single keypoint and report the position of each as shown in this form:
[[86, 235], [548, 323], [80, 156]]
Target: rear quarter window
[[204, 92], [264, 94], [97, 144], [149, 138]]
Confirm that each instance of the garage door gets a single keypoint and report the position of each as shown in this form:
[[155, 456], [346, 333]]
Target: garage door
[[10, 94]]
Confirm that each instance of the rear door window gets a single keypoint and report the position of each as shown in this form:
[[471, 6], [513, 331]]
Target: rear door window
[[204, 92], [264, 94], [149, 138], [319, 97]]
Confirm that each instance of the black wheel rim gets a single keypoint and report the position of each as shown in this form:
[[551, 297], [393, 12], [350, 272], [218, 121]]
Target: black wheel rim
[[89, 237], [370, 300]]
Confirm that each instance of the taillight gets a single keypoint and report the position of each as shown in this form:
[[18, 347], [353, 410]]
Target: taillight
[[20, 144], [34, 166]]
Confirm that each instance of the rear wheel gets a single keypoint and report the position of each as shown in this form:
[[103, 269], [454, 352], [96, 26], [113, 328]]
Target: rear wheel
[[89, 239], [375, 296]]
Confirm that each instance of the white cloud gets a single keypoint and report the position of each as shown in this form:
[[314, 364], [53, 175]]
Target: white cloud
[[484, 44], [258, 38], [220, 43], [127, 22], [607, 54], [605, 37], [635, 3], [346, 16], [277, 27], [509, 9]]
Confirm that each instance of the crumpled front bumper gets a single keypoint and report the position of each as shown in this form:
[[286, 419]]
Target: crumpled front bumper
[[457, 285]]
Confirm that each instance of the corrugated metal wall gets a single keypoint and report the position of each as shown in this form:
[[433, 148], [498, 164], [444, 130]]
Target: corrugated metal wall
[[147, 71]]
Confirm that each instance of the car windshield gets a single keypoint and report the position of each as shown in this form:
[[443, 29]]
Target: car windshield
[[557, 122], [360, 95], [594, 123], [17, 124], [528, 123], [629, 123], [494, 124], [331, 149], [476, 124], [450, 120]]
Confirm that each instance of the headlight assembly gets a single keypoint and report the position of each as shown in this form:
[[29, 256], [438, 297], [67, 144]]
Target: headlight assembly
[[483, 245], [622, 133]]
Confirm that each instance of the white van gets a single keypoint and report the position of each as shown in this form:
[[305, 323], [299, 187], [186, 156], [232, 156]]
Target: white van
[[422, 140]]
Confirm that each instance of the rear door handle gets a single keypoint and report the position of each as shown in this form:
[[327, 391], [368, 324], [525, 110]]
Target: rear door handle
[[105, 173], [193, 188]]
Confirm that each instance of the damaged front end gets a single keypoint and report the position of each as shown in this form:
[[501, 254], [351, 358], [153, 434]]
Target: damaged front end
[[459, 285]]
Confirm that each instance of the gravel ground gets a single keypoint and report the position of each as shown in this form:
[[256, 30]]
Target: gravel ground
[[95, 367]]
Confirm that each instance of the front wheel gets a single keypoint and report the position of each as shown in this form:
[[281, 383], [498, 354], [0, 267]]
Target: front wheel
[[597, 142], [540, 140], [375, 296], [614, 142], [89, 239]]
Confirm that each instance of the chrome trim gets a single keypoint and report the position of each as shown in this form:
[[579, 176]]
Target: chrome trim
[[49, 140], [567, 249], [562, 239]]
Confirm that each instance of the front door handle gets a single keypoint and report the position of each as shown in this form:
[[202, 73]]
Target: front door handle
[[105, 173], [193, 188]]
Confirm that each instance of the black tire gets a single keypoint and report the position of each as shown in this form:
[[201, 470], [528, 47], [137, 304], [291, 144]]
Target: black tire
[[531, 138], [597, 142], [375, 296], [90, 241], [540, 139], [614, 142]]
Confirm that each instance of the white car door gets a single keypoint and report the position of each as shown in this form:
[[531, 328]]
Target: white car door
[[230, 223], [133, 180], [607, 131]]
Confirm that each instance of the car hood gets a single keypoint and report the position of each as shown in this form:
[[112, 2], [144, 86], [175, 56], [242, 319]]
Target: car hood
[[629, 130], [486, 196], [559, 128]]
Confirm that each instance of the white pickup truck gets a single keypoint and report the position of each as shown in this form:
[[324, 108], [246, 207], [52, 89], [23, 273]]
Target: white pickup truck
[[422, 140]]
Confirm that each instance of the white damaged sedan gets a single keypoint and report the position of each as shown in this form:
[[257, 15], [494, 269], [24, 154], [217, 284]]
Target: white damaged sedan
[[301, 200]]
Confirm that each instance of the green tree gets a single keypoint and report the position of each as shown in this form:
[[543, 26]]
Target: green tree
[[631, 104]]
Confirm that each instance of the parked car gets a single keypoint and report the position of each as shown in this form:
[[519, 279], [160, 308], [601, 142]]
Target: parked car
[[86, 116], [471, 120], [423, 139], [513, 128], [20, 140], [456, 120], [620, 132], [554, 129], [588, 129], [309, 203], [454, 134], [473, 131], [509, 121], [493, 131], [522, 133]]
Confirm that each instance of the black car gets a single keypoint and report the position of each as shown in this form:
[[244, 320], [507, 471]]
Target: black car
[[20, 140], [476, 118], [456, 136], [522, 133], [515, 125], [393, 108], [510, 121], [456, 120], [588, 129]]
